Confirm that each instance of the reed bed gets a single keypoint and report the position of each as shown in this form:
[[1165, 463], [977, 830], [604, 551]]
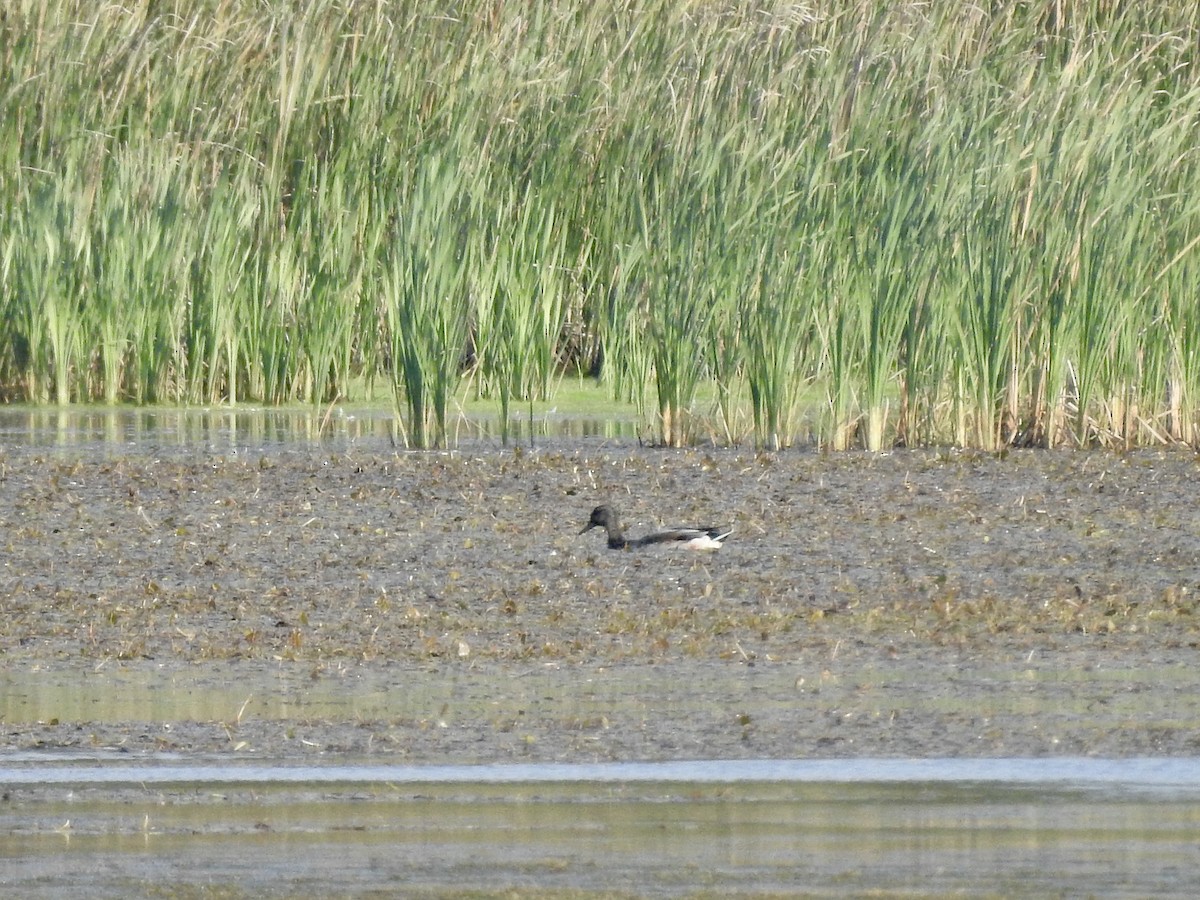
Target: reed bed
[[955, 224]]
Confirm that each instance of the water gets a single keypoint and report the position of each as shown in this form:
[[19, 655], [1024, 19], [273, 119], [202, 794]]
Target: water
[[102, 827], [247, 428], [104, 823], [1142, 776]]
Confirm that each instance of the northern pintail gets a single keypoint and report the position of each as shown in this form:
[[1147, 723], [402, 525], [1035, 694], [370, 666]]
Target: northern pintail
[[689, 538]]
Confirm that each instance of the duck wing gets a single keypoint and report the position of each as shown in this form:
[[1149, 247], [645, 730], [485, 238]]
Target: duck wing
[[707, 538]]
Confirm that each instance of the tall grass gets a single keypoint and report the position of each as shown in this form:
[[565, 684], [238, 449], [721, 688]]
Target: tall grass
[[520, 302], [425, 296], [958, 223]]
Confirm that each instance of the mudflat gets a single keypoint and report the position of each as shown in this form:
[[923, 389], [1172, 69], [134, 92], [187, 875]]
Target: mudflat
[[354, 602]]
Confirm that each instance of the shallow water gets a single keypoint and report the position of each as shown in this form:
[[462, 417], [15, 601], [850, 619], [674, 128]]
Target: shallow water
[[1143, 776], [224, 429], [1062, 827]]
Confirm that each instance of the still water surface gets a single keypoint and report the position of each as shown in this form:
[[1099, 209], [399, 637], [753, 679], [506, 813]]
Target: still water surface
[[247, 428], [105, 826], [1177, 779]]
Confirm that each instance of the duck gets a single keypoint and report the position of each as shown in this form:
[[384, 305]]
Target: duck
[[606, 517]]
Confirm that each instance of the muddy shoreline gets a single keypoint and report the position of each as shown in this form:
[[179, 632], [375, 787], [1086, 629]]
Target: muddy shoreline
[[355, 603]]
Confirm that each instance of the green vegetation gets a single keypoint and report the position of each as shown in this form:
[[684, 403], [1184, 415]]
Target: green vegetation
[[955, 225]]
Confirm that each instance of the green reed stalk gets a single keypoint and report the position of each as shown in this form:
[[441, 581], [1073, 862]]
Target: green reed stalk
[[839, 328], [894, 258], [682, 238], [1181, 319], [987, 213], [774, 320], [615, 310], [224, 281], [424, 298], [32, 256], [520, 313], [328, 312], [777, 313], [725, 356], [993, 283]]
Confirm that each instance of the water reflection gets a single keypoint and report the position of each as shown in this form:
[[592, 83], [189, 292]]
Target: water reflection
[[1176, 778], [649, 837], [225, 429]]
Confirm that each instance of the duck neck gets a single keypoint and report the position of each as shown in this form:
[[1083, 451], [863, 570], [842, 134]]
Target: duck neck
[[616, 538]]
